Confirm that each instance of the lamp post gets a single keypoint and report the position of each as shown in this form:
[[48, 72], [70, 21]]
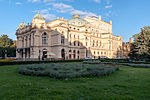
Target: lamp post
[[5, 54], [39, 54]]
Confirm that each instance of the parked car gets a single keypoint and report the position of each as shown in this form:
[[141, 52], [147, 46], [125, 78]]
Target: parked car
[[88, 58], [103, 57]]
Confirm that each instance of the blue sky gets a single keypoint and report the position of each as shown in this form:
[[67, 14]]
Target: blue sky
[[128, 16]]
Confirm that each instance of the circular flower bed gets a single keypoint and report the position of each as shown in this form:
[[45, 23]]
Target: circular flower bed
[[67, 70]]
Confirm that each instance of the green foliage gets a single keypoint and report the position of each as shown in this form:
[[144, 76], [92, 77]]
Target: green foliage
[[141, 46], [139, 65], [67, 70], [5, 41], [7, 47], [92, 62], [2, 63], [10, 51]]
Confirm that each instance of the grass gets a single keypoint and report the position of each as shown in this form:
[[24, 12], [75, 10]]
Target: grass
[[126, 84]]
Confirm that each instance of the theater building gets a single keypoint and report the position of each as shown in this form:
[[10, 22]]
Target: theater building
[[75, 38]]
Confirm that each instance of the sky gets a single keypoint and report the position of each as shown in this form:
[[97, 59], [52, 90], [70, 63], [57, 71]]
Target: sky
[[128, 16]]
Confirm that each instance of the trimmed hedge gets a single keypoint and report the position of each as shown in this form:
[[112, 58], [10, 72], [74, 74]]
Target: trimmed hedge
[[2, 63], [96, 61], [139, 65], [67, 70]]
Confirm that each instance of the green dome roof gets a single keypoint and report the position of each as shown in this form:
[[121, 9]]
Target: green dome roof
[[76, 20], [38, 16]]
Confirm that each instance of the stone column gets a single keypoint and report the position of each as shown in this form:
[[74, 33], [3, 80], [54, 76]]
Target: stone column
[[24, 56]]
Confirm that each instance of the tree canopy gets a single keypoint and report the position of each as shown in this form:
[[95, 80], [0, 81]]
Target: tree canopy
[[5, 41], [141, 46], [7, 46]]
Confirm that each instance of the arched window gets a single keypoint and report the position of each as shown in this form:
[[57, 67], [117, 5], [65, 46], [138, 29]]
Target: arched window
[[74, 43], [78, 43], [44, 39], [78, 52], [22, 42], [97, 43], [74, 54], [44, 53], [62, 40], [30, 40], [69, 51], [26, 41], [86, 43], [70, 43], [63, 53], [70, 55]]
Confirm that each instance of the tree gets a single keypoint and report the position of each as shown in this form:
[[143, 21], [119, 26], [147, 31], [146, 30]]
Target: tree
[[7, 46], [140, 49], [5, 41]]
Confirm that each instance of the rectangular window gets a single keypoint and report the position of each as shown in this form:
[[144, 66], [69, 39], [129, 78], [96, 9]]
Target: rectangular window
[[62, 40], [44, 40]]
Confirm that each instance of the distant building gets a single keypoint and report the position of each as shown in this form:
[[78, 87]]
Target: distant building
[[126, 47], [75, 38]]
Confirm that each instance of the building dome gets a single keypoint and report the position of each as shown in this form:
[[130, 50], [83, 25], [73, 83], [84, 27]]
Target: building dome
[[38, 16], [76, 16], [21, 25], [77, 20]]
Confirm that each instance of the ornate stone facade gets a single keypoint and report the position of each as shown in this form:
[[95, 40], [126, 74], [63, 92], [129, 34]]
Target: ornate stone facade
[[75, 38]]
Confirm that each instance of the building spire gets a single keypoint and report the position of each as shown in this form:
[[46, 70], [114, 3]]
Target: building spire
[[38, 11]]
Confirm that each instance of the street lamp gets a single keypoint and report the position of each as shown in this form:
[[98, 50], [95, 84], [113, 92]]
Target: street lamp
[[5, 54], [39, 54]]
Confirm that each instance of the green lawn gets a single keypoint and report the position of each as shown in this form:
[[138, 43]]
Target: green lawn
[[126, 84]]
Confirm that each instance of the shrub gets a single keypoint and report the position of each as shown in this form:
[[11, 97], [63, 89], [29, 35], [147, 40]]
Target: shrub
[[139, 65], [2, 63], [67, 70]]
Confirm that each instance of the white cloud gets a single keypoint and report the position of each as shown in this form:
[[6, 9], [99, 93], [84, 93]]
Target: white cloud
[[97, 1], [82, 13], [44, 11], [49, 17], [108, 6], [63, 8], [34, 0], [48, 1], [18, 3]]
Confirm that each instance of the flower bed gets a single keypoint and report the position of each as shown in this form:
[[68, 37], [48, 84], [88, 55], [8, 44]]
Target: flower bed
[[8, 59], [67, 70]]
